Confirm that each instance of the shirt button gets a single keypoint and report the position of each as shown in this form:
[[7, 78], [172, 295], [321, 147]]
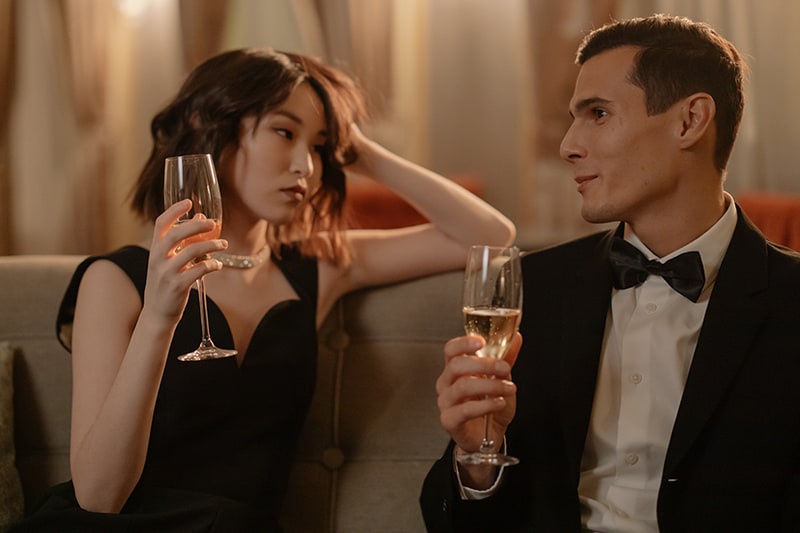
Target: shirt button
[[631, 459], [651, 308], [636, 378]]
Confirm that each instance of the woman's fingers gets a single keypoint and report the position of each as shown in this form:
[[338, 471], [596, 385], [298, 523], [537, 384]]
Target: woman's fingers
[[170, 216], [185, 240], [179, 256]]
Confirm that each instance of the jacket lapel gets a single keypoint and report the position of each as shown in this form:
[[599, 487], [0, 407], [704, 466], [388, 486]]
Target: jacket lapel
[[724, 337], [583, 315]]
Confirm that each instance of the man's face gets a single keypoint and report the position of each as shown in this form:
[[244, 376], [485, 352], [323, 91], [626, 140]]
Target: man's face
[[624, 161]]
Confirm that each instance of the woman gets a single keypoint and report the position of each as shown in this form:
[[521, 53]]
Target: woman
[[160, 444]]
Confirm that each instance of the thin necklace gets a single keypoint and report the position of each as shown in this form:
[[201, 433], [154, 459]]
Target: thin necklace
[[243, 261]]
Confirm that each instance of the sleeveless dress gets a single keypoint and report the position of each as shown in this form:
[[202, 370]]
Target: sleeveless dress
[[223, 435]]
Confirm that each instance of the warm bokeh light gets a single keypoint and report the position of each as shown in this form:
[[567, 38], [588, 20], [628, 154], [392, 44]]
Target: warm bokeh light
[[132, 8]]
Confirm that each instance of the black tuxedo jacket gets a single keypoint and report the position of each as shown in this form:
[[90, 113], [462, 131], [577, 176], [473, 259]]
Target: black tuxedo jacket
[[733, 461]]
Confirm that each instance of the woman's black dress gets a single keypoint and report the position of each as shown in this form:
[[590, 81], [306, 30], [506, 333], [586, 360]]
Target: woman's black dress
[[223, 435]]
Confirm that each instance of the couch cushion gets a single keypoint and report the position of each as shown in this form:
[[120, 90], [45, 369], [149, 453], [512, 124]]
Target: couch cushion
[[32, 287], [11, 502]]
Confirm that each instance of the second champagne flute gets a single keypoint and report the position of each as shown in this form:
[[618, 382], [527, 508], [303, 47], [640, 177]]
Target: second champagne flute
[[492, 306], [194, 177]]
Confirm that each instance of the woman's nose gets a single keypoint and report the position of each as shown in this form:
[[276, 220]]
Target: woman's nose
[[302, 162]]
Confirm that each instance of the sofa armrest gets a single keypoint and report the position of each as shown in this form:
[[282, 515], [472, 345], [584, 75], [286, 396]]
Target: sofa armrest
[[32, 288]]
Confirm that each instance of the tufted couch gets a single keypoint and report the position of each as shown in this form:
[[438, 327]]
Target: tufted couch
[[370, 436]]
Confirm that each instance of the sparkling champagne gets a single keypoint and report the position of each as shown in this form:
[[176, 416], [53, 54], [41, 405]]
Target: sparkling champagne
[[495, 325], [207, 236]]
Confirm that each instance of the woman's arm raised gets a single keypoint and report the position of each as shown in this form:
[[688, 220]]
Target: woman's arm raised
[[457, 218], [454, 210]]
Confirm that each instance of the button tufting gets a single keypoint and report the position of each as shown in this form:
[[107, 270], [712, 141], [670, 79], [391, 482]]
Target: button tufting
[[338, 340], [332, 458]]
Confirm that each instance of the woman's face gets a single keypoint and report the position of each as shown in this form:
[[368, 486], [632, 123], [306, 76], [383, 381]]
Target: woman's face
[[277, 165]]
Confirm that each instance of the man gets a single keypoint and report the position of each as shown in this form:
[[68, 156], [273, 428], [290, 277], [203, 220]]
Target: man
[[643, 398]]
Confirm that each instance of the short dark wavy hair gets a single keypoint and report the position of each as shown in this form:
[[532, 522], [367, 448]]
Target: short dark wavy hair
[[679, 57], [206, 116]]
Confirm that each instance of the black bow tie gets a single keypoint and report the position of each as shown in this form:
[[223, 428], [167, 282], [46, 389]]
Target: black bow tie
[[683, 273]]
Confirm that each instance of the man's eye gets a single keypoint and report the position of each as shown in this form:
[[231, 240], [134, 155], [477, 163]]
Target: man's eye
[[599, 113]]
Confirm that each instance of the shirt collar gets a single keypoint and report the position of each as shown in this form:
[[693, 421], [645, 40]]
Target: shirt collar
[[711, 245]]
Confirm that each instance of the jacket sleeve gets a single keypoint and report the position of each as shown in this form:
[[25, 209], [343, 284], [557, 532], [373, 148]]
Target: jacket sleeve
[[444, 511], [790, 515]]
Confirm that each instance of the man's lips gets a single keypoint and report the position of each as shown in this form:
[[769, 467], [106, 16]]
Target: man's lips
[[583, 180]]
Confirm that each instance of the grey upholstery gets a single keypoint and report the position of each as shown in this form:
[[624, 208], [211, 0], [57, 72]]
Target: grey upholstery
[[373, 428]]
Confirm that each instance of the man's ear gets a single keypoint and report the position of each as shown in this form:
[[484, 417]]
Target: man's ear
[[697, 114]]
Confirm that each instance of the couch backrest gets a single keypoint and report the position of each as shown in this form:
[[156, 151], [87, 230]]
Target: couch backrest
[[372, 431], [31, 288]]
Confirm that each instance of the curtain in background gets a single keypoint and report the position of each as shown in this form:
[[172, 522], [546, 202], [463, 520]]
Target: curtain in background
[[551, 207], [94, 172], [461, 86], [7, 70], [88, 25], [766, 34], [307, 14], [371, 50], [383, 44], [202, 23], [355, 35]]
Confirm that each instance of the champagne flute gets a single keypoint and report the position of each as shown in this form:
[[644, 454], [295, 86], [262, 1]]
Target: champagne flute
[[194, 177], [492, 307]]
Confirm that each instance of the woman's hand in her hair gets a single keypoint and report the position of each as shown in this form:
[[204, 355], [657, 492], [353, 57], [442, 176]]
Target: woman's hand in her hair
[[366, 150], [176, 265]]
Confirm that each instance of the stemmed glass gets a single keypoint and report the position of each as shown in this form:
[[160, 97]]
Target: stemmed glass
[[492, 306], [194, 177]]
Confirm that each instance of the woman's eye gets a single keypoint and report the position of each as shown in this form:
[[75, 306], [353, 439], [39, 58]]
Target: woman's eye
[[284, 133]]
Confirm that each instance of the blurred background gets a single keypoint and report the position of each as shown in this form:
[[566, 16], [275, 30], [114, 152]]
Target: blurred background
[[469, 88]]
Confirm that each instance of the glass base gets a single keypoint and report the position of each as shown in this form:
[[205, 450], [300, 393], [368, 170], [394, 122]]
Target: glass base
[[479, 458], [204, 353]]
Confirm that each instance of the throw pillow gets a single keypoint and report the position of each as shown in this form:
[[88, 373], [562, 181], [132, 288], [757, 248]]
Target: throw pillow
[[11, 502]]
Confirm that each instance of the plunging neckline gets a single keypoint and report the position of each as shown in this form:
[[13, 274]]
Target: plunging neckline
[[227, 333], [300, 272]]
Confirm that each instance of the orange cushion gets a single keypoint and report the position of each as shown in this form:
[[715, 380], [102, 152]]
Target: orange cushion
[[371, 204], [776, 215]]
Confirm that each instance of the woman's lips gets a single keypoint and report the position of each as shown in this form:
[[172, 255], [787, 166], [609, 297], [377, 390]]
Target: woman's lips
[[298, 192]]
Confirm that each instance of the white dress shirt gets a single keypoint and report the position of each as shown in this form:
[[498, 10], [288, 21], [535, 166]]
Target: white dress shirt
[[650, 337]]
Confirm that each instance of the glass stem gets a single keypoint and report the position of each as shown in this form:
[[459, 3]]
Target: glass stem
[[486, 445], [201, 294]]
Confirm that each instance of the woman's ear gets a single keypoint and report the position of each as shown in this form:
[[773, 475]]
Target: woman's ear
[[697, 118]]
